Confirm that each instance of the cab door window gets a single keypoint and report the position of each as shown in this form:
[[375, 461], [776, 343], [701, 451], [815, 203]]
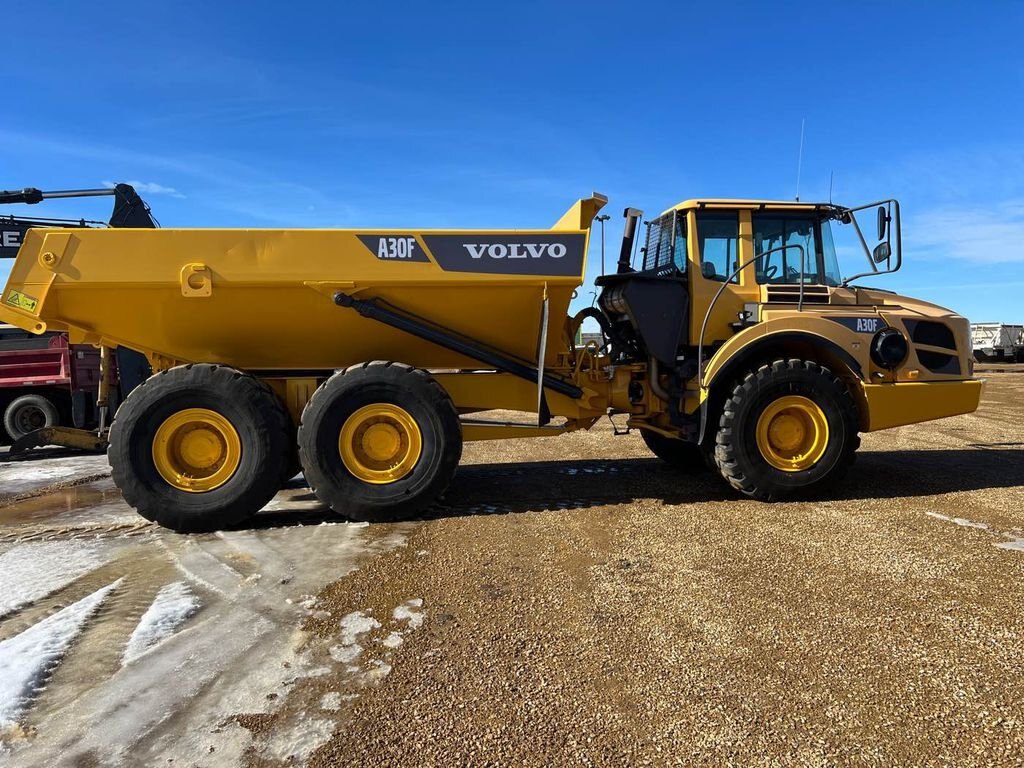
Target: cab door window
[[718, 239]]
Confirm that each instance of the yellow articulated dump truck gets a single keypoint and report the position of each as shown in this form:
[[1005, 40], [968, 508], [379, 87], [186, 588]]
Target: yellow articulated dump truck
[[366, 358]]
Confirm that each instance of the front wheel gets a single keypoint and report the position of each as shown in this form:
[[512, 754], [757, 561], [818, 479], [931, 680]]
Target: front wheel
[[380, 441], [787, 427]]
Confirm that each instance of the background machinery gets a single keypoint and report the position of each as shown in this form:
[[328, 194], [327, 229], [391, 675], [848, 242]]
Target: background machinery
[[367, 357], [997, 342]]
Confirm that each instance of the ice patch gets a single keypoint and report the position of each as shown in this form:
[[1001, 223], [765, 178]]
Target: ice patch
[[1017, 544], [300, 740], [331, 701], [26, 660], [961, 521], [393, 640], [172, 605], [379, 670], [346, 653], [411, 611], [31, 571], [1013, 541], [355, 624]]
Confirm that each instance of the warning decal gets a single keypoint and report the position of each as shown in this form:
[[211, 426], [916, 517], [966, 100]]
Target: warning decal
[[21, 300]]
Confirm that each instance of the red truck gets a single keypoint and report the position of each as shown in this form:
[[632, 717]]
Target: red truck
[[49, 388], [46, 382]]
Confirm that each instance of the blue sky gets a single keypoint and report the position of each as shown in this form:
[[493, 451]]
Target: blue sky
[[501, 115]]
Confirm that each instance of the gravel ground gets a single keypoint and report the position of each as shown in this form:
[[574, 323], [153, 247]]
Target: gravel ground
[[572, 601], [652, 618]]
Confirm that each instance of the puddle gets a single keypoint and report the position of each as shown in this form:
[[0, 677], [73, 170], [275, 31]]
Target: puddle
[[100, 499]]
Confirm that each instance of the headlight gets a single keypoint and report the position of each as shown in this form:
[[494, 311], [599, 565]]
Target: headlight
[[889, 348]]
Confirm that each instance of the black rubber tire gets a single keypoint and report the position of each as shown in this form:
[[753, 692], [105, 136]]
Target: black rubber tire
[[37, 409], [253, 409], [736, 451], [426, 402], [679, 454]]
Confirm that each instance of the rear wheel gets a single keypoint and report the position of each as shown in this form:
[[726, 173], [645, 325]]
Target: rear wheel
[[380, 441], [787, 427], [199, 447], [28, 413], [678, 453]]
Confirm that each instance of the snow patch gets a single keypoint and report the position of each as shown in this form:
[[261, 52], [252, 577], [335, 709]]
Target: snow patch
[[173, 604], [393, 640], [27, 659], [379, 670], [355, 624], [1012, 541], [300, 740], [346, 654], [411, 611], [961, 521], [1017, 544], [31, 571], [331, 701]]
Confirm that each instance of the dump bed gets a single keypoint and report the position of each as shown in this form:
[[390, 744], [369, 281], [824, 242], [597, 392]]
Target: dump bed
[[264, 299]]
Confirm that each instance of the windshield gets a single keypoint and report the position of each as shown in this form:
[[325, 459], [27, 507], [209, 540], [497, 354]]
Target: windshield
[[782, 238]]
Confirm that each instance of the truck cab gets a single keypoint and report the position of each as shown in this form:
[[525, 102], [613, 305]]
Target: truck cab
[[733, 298]]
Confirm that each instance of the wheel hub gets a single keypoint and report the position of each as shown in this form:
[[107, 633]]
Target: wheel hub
[[792, 433], [380, 443], [31, 418], [196, 450]]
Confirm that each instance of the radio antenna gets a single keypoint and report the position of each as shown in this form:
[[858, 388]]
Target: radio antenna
[[800, 158], [831, 177]]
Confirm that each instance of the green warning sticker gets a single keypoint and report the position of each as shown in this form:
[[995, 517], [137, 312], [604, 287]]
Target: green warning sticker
[[21, 300]]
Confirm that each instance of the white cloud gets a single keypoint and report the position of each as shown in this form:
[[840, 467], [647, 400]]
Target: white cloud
[[148, 188], [991, 234]]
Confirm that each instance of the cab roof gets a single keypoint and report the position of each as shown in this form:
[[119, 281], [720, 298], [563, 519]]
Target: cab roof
[[739, 204]]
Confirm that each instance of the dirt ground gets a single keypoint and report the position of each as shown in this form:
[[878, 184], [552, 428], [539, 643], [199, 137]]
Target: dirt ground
[[572, 601]]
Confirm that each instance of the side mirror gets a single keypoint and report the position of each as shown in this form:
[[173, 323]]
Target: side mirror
[[881, 253], [883, 222], [708, 271]]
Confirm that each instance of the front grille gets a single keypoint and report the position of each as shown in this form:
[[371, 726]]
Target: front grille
[[931, 333], [937, 362]]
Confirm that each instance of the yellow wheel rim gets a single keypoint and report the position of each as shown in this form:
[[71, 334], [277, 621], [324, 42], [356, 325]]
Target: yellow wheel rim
[[792, 433], [380, 443], [197, 450]]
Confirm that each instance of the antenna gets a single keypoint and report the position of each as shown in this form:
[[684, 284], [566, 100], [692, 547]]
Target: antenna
[[831, 176], [800, 158]]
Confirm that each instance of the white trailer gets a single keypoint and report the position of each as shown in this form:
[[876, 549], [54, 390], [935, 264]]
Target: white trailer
[[997, 341]]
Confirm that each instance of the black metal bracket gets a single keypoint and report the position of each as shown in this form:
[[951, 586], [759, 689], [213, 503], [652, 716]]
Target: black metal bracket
[[129, 209], [382, 312]]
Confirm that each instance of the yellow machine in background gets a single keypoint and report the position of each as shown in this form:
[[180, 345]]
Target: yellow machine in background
[[363, 357]]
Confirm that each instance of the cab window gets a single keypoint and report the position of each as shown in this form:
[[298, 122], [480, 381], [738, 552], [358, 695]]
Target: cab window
[[718, 240], [665, 248], [783, 264]]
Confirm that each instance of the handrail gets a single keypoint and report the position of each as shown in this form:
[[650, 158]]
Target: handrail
[[725, 283]]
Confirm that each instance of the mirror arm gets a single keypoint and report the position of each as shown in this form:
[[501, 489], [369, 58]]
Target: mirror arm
[[894, 224]]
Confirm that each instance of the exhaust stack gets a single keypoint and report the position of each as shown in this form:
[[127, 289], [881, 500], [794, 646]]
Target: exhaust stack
[[628, 237]]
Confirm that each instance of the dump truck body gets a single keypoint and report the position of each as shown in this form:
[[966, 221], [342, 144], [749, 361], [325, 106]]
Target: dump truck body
[[364, 356], [998, 341]]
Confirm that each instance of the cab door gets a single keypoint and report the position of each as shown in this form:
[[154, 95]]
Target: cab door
[[720, 244]]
